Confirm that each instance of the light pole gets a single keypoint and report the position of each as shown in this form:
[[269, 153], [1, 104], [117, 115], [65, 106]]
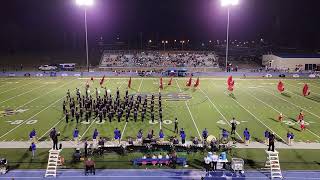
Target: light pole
[[228, 4], [182, 42], [85, 4], [164, 45]]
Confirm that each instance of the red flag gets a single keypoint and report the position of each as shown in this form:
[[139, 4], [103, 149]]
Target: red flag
[[170, 81], [305, 90], [102, 80], [230, 81], [230, 88], [197, 82], [189, 81], [129, 83], [161, 83], [280, 86]]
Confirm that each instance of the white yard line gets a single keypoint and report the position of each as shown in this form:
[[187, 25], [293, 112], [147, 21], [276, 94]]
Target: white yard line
[[44, 94], [140, 85], [278, 112], [190, 112], [297, 107], [292, 103], [299, 88], [57, 123], [124, 128], [94, 121], [32, 117], [218, 110], [19, 87], [256, 118], [22, 94], [125, 125], [51, 128]]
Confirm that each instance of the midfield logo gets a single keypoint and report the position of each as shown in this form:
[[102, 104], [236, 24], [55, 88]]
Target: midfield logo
[[10, 112]]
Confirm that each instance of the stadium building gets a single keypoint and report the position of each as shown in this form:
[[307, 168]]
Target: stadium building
[[293, 62]]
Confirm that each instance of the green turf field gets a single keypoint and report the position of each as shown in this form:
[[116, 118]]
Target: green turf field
[[27, 103]]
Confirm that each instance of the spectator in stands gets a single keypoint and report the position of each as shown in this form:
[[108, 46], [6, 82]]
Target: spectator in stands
[[90, 166], [33, 149], [32, 135], [144, 157], [246, 135]]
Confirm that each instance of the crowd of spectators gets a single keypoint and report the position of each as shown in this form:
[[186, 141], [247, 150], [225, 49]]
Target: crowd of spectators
[[157, 58]]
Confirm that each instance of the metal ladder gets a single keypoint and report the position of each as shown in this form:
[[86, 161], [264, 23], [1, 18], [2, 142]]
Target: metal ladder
[[273, 164], [53, 163]]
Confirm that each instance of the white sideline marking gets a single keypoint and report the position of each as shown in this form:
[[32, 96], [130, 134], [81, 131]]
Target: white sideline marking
[[190, 112], [32, 117], [19, 87], [43, 95], [256, 118], [279, 112], [22, 94], [218, 111]]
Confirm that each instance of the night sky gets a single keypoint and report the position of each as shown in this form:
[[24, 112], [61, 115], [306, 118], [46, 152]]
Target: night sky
[[53, 25]]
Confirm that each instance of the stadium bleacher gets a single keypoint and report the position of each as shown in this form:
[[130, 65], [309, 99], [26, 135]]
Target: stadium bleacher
[[158, 58]]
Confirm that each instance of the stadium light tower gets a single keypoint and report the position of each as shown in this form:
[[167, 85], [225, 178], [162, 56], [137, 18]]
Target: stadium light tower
[[85, 4], [228, 4]]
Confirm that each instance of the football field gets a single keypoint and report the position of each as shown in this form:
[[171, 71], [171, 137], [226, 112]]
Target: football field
[[27, 103]]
